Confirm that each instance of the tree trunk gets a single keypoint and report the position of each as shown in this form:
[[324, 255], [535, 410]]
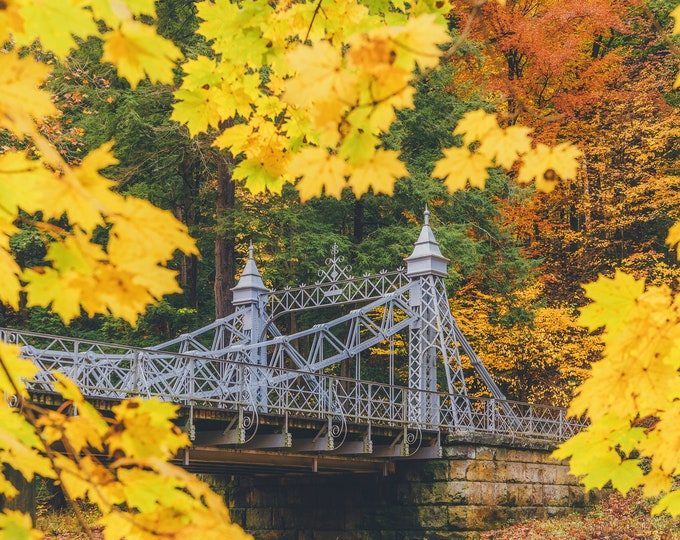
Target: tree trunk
[[224, 240], [190, 215], [358, 221], [25, 501]]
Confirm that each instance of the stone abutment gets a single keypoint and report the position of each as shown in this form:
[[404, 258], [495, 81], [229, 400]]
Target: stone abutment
[[481, 483]]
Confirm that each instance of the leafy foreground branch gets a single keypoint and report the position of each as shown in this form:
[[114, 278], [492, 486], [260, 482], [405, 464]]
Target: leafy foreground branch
[[616, 517], [120, 465]]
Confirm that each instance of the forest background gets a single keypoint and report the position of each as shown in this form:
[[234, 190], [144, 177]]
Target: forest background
[[597, 73]]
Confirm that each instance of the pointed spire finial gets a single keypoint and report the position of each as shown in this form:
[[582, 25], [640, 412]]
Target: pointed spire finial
[[426, 258], [250, 285]]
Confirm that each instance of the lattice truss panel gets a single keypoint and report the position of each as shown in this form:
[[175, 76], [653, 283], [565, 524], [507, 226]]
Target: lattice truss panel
[[335, 286]]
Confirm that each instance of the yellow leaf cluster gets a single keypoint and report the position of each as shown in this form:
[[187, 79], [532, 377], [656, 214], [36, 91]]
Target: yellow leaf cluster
[[138, 492], [333, 80], [312, 90], [120, 277], [486, 144], [560, 351], [129, 273], [632, 396], [132, 47]]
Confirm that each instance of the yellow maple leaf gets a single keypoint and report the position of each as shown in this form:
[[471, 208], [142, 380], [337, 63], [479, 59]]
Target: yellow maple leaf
[[613, 301], [257, 177], [459, 165], [147, 490], [474, 125], [11, 21], [21, 99], [26, 459], [9, 275], [194, 109], [317, 167], [15, 525], [547, 164], [666, 442], [98, 186], [320, 74], [200, 71], [114, 11], [668, 503], [89, 479], [15, 370], [358, 145], [325, 117], [50, 288], [235, 138], [24, 183], [200, 106], [7, 489], [141, 7], [55, 24], [676, 15], [505, 145], [127, 294], [373, 52], [380, 172], [138, 51], [267, 157], [673, 238], [656, 481], [71, 280], [89, 426], [140, 230], [597, 463], [236, 31], [81, 192], [419, 42], [376, 116], [143, 428]]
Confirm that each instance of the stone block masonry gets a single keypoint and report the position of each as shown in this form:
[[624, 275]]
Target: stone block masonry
[[481, 483]]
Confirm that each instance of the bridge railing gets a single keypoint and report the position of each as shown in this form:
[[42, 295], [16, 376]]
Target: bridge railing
[[116, 372]]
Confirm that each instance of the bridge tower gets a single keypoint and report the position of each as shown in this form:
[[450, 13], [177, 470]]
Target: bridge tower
[[432, 336], [250, 296]]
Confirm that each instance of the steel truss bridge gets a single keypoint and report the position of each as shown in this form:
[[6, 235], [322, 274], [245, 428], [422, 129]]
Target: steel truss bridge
[[250, 392]]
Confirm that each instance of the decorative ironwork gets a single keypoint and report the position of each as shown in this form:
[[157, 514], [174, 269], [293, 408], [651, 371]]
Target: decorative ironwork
[[246, 364]]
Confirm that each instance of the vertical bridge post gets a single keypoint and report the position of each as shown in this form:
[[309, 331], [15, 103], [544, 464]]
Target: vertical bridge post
[[250, 295], [431, 334]]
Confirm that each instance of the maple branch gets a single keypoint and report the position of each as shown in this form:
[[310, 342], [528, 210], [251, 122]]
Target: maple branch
[[31, 413], [474, 12], [311, 23], [672, 47], [9, 378]]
